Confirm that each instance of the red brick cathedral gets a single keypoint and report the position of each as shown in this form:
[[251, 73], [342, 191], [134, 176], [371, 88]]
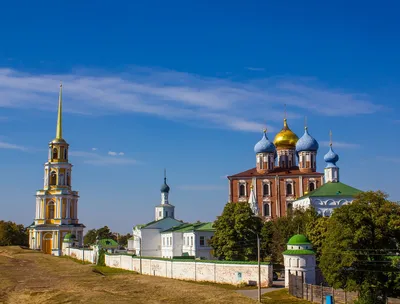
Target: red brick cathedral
[[278, 178]]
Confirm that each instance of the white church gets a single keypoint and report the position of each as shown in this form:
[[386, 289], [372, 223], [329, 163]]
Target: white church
[[167, 237]]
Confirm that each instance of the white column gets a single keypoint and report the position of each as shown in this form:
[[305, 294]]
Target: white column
[[301, 186], [68, 208]]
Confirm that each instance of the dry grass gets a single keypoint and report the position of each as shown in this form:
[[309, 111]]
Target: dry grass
[[33, 277], [281, 296]]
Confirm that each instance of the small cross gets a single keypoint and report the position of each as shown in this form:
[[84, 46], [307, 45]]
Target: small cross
[[330, 138]]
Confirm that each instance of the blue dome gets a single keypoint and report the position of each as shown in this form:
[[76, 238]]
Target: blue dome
[[165, 187], [331, 158], [306, 143], [264, 145]]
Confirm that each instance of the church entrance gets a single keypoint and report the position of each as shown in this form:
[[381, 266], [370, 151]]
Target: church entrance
[[47, 243]]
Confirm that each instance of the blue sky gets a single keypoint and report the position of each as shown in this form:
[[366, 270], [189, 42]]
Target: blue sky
[[189, 86]]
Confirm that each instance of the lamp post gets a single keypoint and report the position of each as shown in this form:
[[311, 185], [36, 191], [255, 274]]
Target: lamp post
[[259, 268]]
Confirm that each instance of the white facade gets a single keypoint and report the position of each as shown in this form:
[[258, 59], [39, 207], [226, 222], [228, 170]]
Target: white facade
[[299, 264], [323, 205]]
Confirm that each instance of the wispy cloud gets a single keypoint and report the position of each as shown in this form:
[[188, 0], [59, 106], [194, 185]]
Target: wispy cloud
[[94, 149], [255, 69], [6, 145], [340, 144], [200, 187], [395, 160], [216, 102], [102, 160], [112, 153]]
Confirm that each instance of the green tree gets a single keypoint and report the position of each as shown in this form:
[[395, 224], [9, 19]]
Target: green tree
[[235, 233], [123, 239], [316, 233], [13, 234], [360, 247], [90, 237], [283, 228]]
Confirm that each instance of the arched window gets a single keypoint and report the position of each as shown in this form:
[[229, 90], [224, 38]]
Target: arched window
[[289, 189], [266, 210], [53, 178], [311, 186], [68, 179], [71, 210], [65, 153], [50, 210], [260, 159], [242, 190], [266, 190], [55, 153]]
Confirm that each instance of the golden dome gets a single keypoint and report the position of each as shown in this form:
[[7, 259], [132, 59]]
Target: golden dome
[[285, 139]]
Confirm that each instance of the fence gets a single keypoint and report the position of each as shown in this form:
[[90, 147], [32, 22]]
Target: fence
[[318, 293]]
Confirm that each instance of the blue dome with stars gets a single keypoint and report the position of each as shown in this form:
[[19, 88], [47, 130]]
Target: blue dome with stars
[[306, 143], [264, 145], [331, 158]]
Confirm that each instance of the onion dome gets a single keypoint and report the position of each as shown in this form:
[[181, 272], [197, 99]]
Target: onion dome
[[306, 143], [264, 145], [165, 187], [285, 139], [331, 158]]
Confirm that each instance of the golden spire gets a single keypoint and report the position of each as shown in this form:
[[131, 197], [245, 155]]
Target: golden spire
[[330, 138], [59, 119]]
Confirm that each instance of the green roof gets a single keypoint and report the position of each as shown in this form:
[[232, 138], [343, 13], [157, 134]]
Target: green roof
[[108, 243], [298, 239], [296, 252], [333, 189], [186, 227], [69, 237]]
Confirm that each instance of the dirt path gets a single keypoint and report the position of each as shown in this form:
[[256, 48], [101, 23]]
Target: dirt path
[[32, 277]]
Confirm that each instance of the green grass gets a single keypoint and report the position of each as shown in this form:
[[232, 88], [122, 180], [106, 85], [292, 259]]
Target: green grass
[[106, 271], [281, 296], [75, 260], [222, 285]]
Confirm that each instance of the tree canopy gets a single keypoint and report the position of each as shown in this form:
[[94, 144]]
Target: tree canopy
[[361, 246], [236, 230], [13, 234]]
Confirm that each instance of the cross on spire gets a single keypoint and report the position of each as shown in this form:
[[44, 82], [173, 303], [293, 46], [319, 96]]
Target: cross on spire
[[330, 138], [305, 123], [59, 118]]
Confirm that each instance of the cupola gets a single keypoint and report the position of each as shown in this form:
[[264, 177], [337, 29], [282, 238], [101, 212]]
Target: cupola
[[331, 171], [265, 154], [285, 143], [306, 149]]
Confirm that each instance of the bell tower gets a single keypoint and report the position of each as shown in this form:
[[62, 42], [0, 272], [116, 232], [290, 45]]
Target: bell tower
[[165, 209], [56, 204]]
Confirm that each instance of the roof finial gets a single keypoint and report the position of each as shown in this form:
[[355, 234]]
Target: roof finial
[[59, 119], [284, 107], [305, 123], [265, 130], [330, 138], [165, 175]]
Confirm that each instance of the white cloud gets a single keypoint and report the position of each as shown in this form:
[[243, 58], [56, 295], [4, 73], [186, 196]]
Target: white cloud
[[6, 145], [340, 144], [121, 153], [101, 160], [94, 149], [216, 102], [112, 153], [255, 69], [200, 187]]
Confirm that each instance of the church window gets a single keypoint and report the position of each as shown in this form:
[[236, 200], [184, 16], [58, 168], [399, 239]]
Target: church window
[[266, 210], [242, 190], [202, 241], [311, 186], [289, 189], [191, 241], [163, 241], [311, 159], [166, 213], [53, 178], [50, 210], [65, 153], [266, 189], [55, 153], [159, 214], [68, 179], [170, 240], [260, 160]]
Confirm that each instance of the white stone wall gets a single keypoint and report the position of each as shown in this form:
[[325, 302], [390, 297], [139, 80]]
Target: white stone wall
[[194, 271], [87, 254]]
